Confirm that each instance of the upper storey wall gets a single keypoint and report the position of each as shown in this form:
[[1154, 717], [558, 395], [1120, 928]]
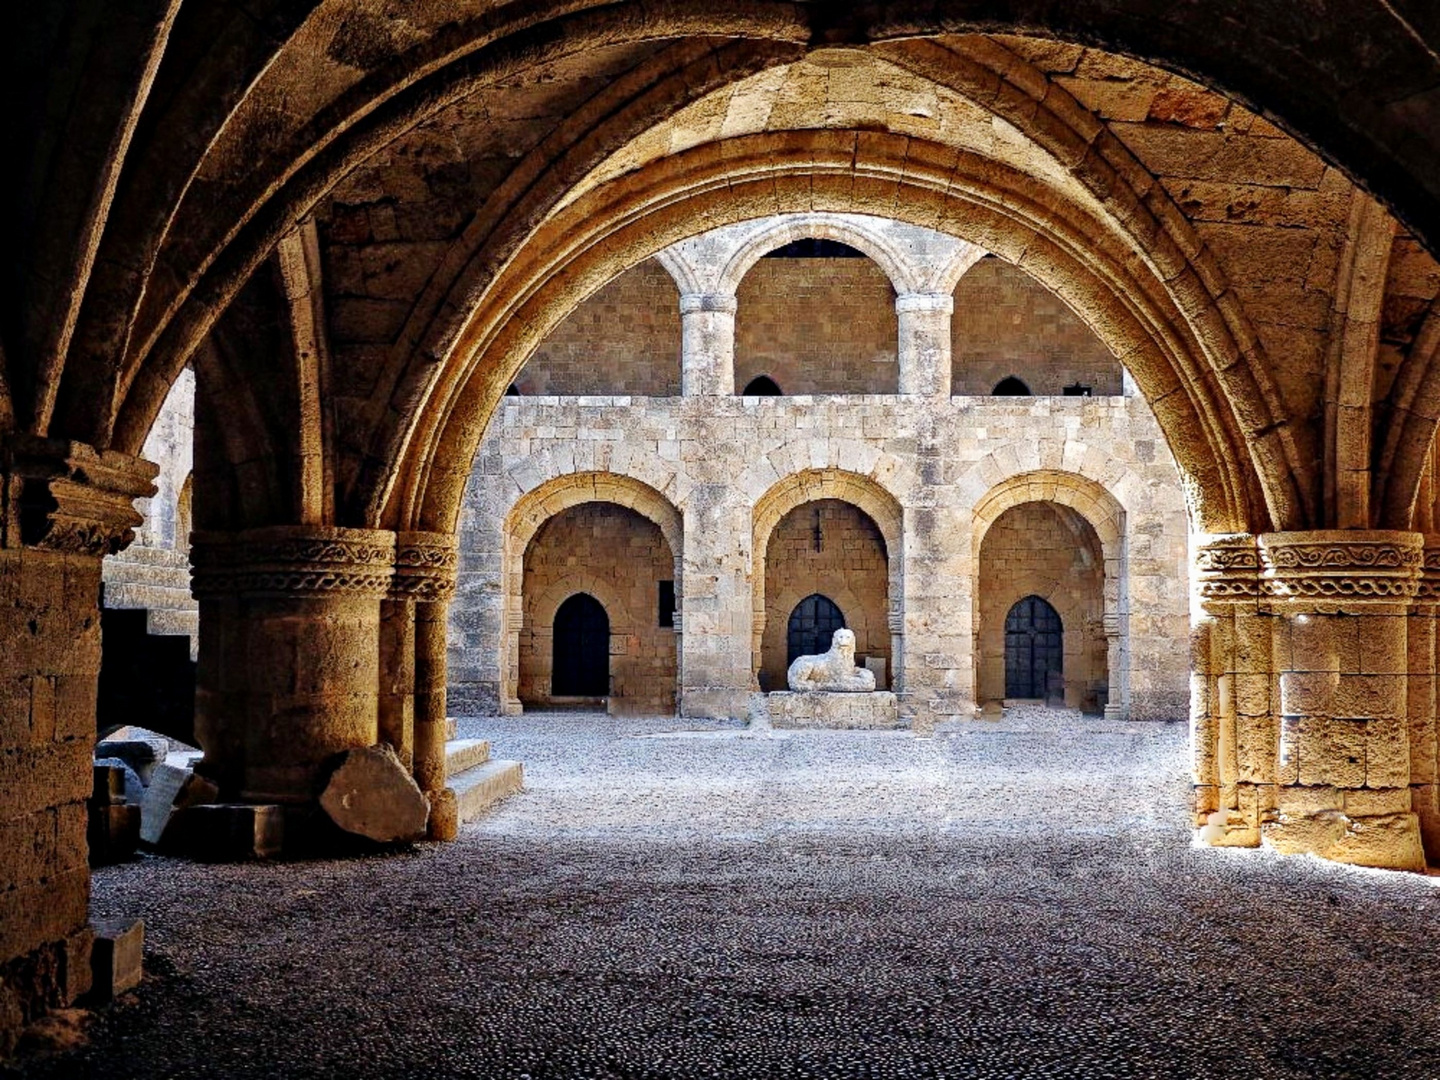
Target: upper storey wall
[[1006, 323], [817, 326], [623, 340]]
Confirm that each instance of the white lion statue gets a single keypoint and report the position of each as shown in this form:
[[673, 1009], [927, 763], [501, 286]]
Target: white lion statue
[[833, 670]]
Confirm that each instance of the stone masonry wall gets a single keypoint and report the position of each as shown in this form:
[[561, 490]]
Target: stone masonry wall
[[623, 340], [1006, 323], [714, 458], [850, 568], [817, 326], [618, 557], [1041, 549]]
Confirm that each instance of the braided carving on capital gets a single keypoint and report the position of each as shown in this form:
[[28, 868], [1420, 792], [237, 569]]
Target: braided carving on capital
[[1428, 591], [293, 561], [425, 566], [1228, 568], [1374, 566]]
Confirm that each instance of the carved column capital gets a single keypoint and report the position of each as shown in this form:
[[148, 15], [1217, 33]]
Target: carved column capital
[[425, 566], [68, 497], [1227, 569], [1428, 590], [293, 561], [1331, 567]]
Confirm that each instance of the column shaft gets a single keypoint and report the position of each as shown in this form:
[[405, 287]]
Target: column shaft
[[707, 345], [924, 343]]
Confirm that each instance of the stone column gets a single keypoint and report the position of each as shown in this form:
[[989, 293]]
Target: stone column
[[1115, 665], [64, 507], [1423, 648], [289, 672], [716, 600], [707, 349], [939, 670], [924, 343], [1231, 727], [1340, 601], [425, 572]]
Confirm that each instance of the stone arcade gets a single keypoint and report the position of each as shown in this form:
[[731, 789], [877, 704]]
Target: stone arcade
[[357, 224]]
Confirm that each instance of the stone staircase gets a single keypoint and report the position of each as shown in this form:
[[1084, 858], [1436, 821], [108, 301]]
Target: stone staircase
[[156, 580], [479, 782]]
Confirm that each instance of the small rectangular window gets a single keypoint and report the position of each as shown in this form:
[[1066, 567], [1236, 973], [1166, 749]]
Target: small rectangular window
[[667, 603]]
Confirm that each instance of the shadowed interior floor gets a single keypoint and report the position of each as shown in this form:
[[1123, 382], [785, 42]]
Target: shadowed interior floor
[[1011, 898]]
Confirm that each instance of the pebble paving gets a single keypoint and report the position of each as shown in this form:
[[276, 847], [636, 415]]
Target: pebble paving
[[1012, 898]]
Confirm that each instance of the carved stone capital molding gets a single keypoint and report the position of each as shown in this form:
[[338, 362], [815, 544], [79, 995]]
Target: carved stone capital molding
[[1227, 568], [293, 561], [425, 566], [69, 497], [1428, 591], [1353, 566]]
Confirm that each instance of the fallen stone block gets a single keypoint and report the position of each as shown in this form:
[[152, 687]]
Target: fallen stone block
[[112, 831], [371, 794], [227, 832], [172, 788], [117, 958], [142, 755], [133, 788], [109, 783]]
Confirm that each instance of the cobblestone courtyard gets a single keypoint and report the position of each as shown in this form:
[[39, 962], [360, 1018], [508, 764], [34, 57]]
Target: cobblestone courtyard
[[1015, 898]]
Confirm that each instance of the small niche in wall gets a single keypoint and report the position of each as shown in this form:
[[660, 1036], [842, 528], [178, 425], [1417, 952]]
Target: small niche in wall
[[667, 603], [1076, 390], [761, 386], [1010, 386]]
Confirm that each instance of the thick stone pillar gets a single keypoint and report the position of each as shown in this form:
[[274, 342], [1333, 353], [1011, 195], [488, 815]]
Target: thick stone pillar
[[1116, 666], [1340, 601], [425, 573], [938, 675], [289, 672], [1232, 734], [924, 343], [65, 506], [707, 344], [1422, 689], [716, 598]]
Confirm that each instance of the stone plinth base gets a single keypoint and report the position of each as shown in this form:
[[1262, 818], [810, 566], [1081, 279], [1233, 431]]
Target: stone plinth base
[[827, 709]]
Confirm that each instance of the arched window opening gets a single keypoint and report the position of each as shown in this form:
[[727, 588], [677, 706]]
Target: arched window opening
[[512, 390], [812, 626], [762, 386], [581, 660], [1034, 651], [815, 247], [1010, 386]]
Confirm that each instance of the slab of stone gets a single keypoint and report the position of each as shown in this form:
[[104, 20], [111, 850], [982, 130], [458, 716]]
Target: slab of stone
[[132, 786], [109, 784], [117, 957], [112, 831], [141, 755], [173, 787], [833, 709], [371, 794], [228, 832]]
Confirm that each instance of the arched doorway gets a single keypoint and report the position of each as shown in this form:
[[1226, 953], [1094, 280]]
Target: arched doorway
[[1034, 650], [1010, 386], [581, 659], [812, 626], [761, 386]]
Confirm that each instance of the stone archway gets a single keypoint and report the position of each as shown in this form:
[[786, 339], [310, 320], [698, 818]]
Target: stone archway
[[522, 523], [815, 486], [1105, 517]]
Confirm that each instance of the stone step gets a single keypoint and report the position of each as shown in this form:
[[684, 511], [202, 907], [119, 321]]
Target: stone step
[[130, 594], [479, 788], [176, 576], [152, 556], [462, 754]]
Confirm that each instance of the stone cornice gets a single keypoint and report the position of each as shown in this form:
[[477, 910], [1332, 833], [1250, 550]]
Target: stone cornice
[[293, 561], [1227, 568], [1354, 566], [425, 566], [68, 497]]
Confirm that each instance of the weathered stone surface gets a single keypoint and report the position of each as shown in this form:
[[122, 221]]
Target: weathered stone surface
[[827, 709], [370, 794], [172, 788], [141, 755], [117, 957]]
